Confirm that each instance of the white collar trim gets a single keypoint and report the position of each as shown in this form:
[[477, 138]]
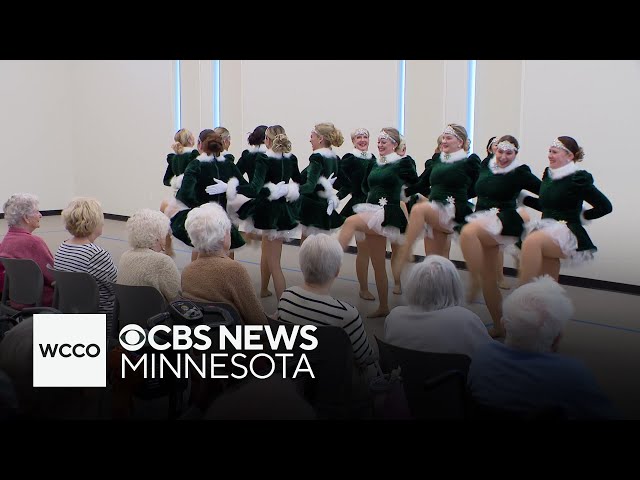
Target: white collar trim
[[387, 159], [188, 149], [558, 173], [257, 148], [271, 154], [497, 170], [203, 157], [359, 154], [453, 157], [326, 152]]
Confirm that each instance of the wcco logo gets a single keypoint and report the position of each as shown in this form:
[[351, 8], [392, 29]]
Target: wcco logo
[[69, 350]]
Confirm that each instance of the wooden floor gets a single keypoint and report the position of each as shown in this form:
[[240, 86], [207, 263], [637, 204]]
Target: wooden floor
[[605, 333]]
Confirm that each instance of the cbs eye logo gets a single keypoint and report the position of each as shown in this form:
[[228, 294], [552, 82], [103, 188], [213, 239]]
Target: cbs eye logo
[[132, 337]]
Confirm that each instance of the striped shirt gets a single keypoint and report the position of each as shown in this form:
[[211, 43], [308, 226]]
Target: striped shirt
[[305, 308], [95, 261]]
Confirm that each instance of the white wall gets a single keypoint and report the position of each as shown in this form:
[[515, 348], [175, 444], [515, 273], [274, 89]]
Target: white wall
[[36, 125], [597, 103], [298, 94], [123, 131]]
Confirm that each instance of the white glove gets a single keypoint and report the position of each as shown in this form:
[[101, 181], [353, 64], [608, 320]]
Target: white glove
[[217, 189], [332, 179], [333, 204], [281, 190]]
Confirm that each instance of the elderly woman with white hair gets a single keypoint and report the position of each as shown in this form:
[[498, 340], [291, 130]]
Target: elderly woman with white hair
[[525, 374], [311, 304], [213, 276], [434, 319], [22, 216], [146, 263]]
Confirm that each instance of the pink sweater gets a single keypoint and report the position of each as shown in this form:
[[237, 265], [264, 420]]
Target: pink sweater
[[18, 243]]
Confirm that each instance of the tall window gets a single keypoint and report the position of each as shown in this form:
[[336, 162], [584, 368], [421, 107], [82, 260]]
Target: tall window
[[176, 97], [471, 100], [216, 93], [401, 85]]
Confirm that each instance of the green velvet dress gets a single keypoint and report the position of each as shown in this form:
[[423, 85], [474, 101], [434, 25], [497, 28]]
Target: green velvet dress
[[197, 177], [274, 218], [314, 191], [561, 198], [353, 167], [383, 184], [497, 191]]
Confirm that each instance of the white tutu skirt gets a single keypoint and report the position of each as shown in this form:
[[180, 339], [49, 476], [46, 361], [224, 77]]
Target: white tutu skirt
[[492, 224], [446, 215], [373, 215], [174, 206], [564, 238], [248, 226]]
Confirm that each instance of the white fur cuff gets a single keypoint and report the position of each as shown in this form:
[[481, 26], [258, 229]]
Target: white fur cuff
[[272, 191], [403, 194], [294, 191], [521, 196], [328, 188], [232, 188], [176, 182]]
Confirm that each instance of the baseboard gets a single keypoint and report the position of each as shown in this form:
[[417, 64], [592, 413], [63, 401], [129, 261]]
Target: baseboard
[[45, 213], [510, 272], [120, 218]]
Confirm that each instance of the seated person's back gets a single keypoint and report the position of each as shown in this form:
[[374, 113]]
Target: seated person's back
[[525, 374], [435, 320], [22, 216], [311, 304], [146, 264], [213, 276]]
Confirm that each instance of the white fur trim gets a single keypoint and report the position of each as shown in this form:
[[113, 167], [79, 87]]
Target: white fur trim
[[564, 238], [203, 157], [497, 170], [387, 159], [558, 173], [187, 150], [232, 188], [176, 181], [328, 188], [521, 196], [454, 157], [271, 154], [257, 148], [326, 152], [403, 194], [294, 191], [221, 158], [373, 215], [272, 190], [358, 154]]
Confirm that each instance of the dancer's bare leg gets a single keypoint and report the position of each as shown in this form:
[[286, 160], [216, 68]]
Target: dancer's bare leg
[[265, 274], [537, 247], [362, 269], [273, 249], [378, 251], [473, 256], [492, 295], [395, 271], [502, 283]]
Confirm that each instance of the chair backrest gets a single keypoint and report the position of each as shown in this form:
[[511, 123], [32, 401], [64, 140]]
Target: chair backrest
[[136, 304], [75, 292], [332, 363], [23, 281], [444, 399]]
